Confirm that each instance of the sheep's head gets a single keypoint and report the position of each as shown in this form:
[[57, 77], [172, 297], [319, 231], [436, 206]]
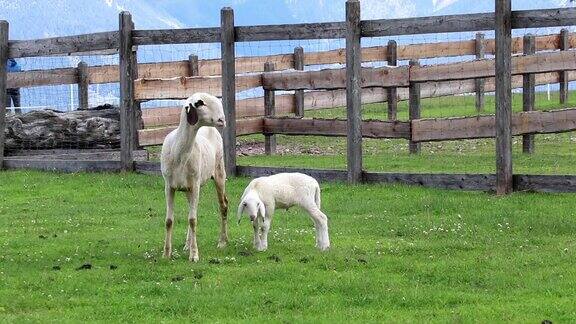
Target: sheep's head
[[204, 109], [251, 205]]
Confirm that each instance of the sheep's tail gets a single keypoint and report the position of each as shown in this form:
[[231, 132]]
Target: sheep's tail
[[317, 197]]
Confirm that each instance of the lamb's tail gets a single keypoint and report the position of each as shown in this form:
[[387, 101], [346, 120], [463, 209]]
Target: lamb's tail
[[317, 197]]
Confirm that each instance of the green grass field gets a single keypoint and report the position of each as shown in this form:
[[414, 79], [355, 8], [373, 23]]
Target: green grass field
[[399, 254], [554, 153]]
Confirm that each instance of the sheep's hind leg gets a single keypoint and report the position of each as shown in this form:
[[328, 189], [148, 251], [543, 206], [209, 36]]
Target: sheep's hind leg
[[169, 192], [220, 181], [193, 196], [321, 224]]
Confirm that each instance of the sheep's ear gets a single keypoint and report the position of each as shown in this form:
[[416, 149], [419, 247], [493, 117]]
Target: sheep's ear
[[262, 210], [191, 115], [240, 211], [199, 103]]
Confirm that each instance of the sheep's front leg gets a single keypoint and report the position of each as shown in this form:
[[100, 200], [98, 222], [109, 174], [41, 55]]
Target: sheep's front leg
[[264, 229], [193, 195], [169, 192], [220, 181], [256, 227], [321, 224]]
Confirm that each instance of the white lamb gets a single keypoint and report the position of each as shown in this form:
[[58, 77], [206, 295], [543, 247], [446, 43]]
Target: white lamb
[[282, 191], [191, 155]]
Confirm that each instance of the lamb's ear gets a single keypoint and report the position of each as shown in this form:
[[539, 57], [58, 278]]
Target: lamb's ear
[[191, 115], [262, 210], [240, 211]]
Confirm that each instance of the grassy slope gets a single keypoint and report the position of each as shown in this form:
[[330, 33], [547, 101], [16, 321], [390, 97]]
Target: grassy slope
[[554, 152], [399, 254]]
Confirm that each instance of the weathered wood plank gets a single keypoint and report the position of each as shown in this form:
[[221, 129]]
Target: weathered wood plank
[[483, 182], [529, 122], [176, 36], [299, 94], [63, 45], [392, 92], [269, 111], [480, 50], [564, 46], [335, 127], [354, 77], [126, 91], [4, 32], [68, 166], [503, 65], [82, 85], [328, 30], [155, 136], [320, 175], [414, 107], [183, 87], [545, 183], [538, 63], [228, 55], [334, 79], [528, 93]]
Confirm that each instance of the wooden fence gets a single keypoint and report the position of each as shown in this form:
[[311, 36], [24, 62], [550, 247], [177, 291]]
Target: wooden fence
[[230, 74]]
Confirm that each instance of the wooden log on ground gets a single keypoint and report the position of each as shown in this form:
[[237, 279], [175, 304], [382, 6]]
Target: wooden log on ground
[[69, 166], [47, 129]]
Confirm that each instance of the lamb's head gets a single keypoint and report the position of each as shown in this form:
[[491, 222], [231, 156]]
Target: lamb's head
[[203, 109], [251, 204]]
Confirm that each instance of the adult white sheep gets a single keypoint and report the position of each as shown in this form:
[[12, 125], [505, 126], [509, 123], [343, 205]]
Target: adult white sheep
[[191, 155], [281, 191]]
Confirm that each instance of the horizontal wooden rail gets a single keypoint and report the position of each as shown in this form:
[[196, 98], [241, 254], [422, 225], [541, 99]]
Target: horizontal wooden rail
[[63, 45], [182, 87], [467, 22], [155, 136], [176, 36], [528, 122], [211, 67], [313, 100], [333, 79], [335, 127]]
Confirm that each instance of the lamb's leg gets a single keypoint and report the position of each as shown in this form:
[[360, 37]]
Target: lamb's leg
[[220, 181], [256, 241], [169, 192], [321, 224], [193, 196], [264, 229]]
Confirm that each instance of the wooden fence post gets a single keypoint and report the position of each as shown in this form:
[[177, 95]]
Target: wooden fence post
[[82, 85], [528, 89], [414, 107], [269, 111], [564, 46], [353, 91], [299, 94], [193, 65], [392, 92], [503, 97], [480, 82], [3, 81], [228, 87], [126, 91], [137, 122]]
